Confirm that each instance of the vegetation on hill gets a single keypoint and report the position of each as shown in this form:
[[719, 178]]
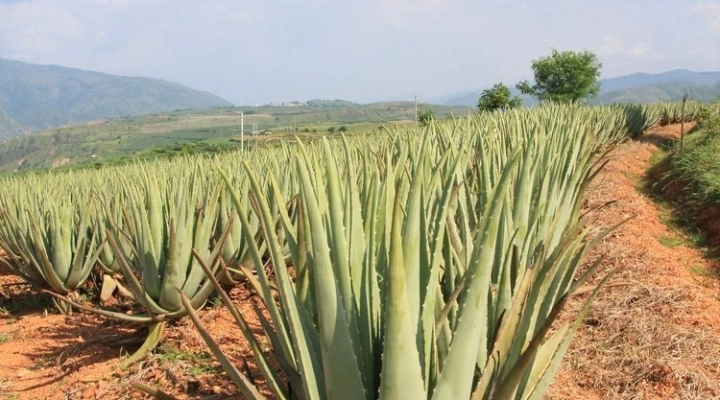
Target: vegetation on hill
[[208, 131], [34, 97], [674, 76], [330, 103], [660, 93]]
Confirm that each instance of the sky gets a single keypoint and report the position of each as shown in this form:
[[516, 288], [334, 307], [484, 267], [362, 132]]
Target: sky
[[260, 51]]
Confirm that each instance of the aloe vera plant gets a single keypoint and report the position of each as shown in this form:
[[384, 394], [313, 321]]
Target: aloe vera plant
[[112, 218], [434, 266], [49, 241], [162, 223], [235, 251]]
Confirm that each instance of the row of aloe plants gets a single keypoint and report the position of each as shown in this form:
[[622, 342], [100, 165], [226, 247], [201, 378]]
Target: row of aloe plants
[[436, 271], [425, 263]]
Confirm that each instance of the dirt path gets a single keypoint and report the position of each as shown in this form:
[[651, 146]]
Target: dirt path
[[654, 333]]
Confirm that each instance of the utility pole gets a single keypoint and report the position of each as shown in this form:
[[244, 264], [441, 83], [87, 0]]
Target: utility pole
[[242, 133], [416, 111]]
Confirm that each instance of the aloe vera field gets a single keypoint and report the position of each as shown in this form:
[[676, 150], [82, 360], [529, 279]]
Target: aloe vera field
[[505, 255]]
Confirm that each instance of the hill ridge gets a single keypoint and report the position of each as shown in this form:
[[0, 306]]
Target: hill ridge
[[35, 96], [638, 87]]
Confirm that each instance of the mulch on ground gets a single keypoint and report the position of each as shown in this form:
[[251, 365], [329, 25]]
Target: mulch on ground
[[654, 332]]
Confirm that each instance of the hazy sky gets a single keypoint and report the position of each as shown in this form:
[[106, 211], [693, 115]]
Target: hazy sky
[[257, 51]]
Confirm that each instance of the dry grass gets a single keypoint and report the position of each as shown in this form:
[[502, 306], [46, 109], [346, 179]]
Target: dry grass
[[631, 346], [654, 332]]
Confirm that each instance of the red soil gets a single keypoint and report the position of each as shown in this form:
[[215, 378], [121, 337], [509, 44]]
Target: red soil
[[654, 332]]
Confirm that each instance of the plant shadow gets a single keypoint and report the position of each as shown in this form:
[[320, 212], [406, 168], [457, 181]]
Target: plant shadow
[[81, 342]]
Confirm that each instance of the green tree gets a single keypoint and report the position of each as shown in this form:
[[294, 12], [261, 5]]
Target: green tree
[[498, 98], [425, 116], [564, 76]]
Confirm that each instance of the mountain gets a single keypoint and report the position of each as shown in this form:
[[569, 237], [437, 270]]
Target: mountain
[[670, 77], [660, 93], [34, 97], [471, 98], [634, 88]]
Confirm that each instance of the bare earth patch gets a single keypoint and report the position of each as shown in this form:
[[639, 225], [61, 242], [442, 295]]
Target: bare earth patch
[[48, 356], [653, 333]]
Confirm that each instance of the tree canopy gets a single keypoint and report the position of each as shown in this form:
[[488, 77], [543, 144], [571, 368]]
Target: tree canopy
[[498, 98], [564, 76], [426, 116]]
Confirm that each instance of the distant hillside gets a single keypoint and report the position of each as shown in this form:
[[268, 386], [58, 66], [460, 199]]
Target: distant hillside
[[150, 136], [670, 77], [471, 98], [635, 88], [8, 124], [660, 93], [34, 97], [331, 103]]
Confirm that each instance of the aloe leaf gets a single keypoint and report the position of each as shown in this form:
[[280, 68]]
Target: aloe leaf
[[466, 350], [305, 342], [340, 363], [153, 338], [401, 375], [272, 378], [550, 355]]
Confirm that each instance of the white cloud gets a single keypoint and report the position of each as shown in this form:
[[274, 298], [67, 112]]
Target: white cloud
[[36, 26], [638, 51], [613, 45], [712, 10]]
